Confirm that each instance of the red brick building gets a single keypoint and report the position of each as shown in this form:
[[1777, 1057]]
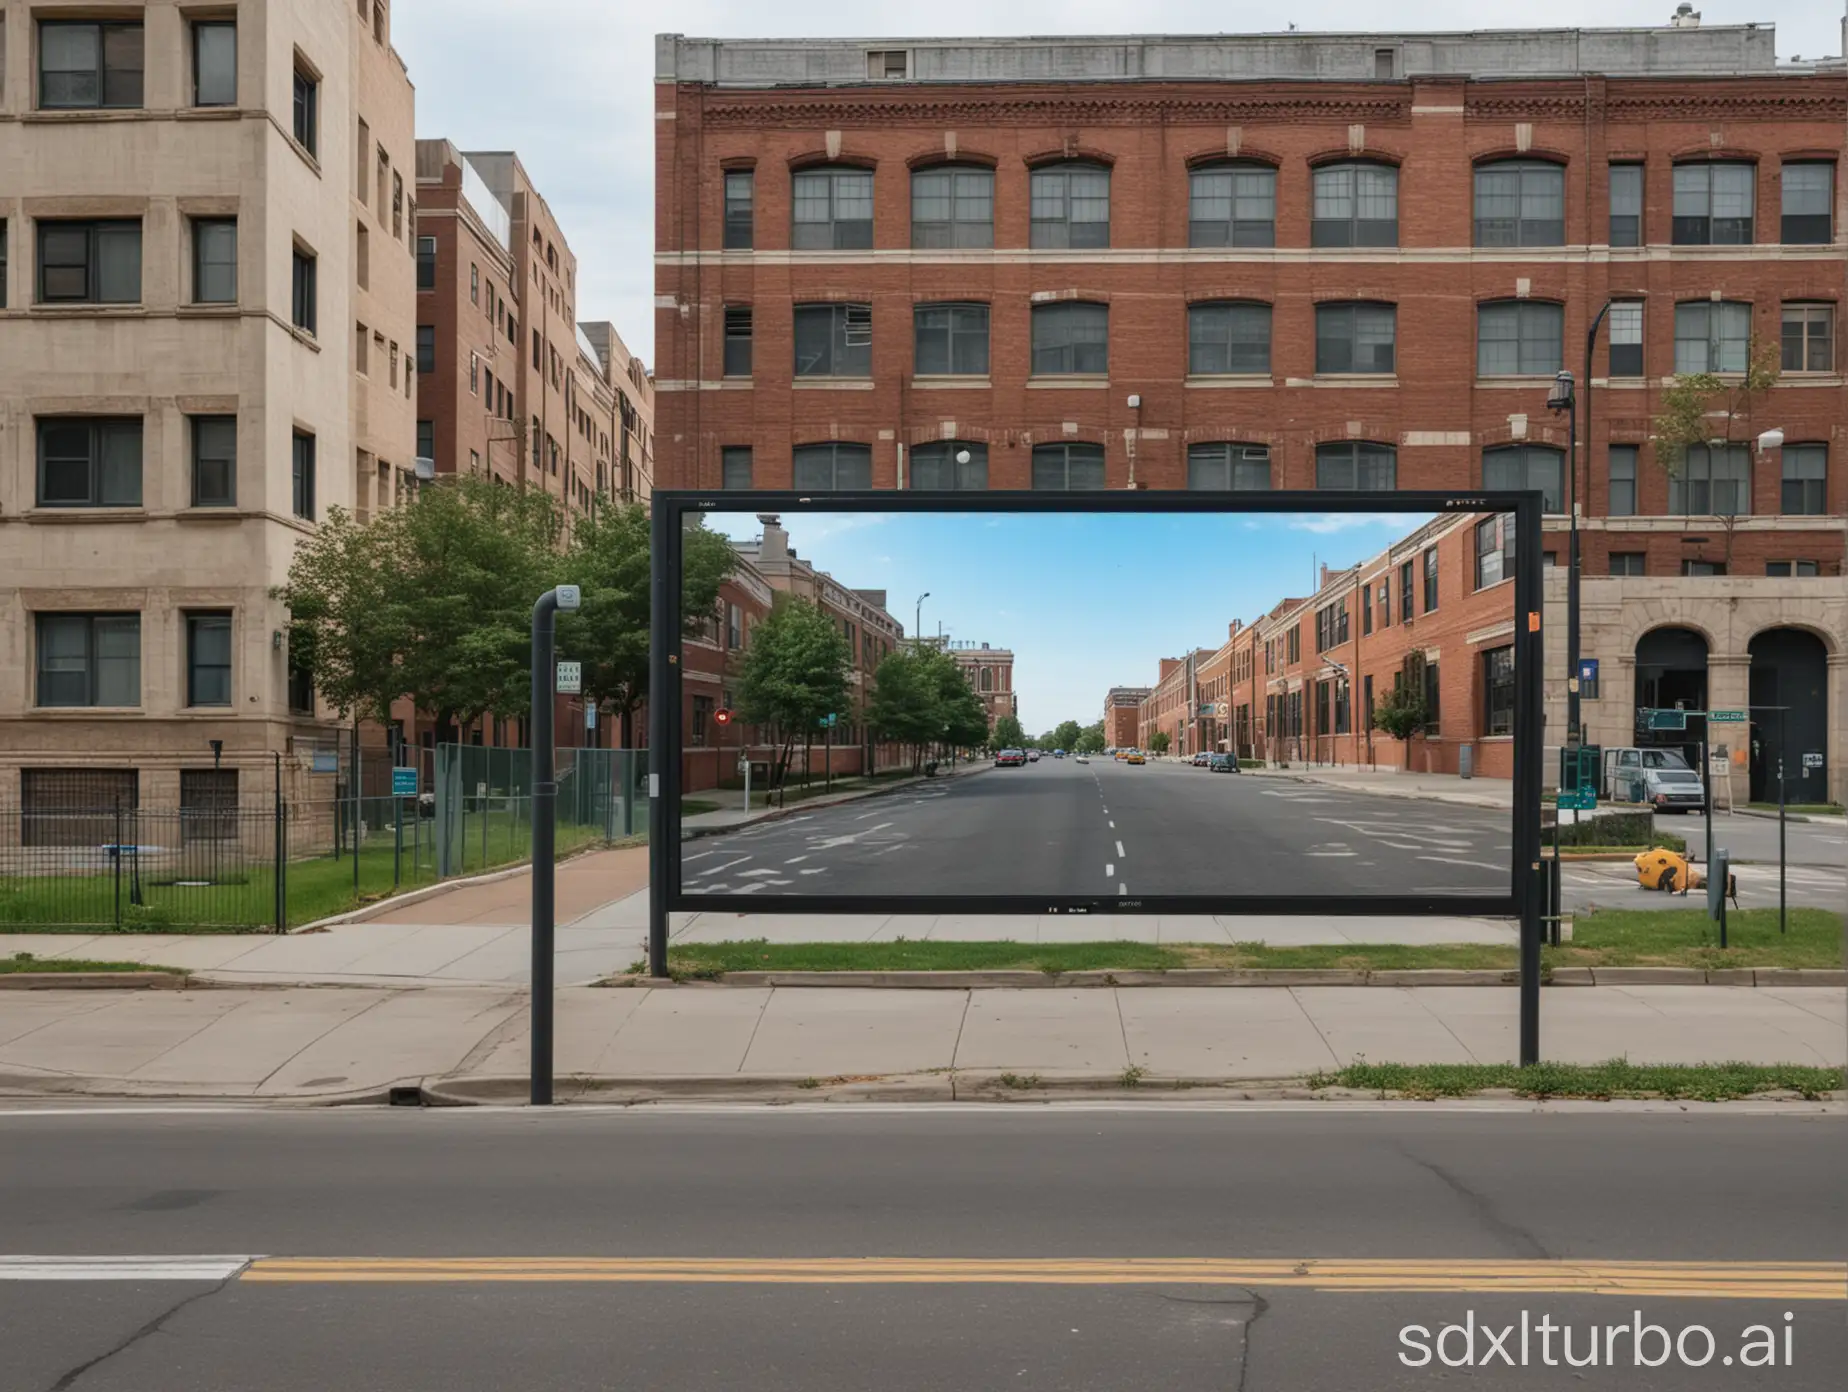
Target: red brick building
[[990, 674], [1123, 716]]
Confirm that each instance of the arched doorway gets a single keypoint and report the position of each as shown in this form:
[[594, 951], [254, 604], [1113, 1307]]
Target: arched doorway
[[1790, 668], [1671, 671]]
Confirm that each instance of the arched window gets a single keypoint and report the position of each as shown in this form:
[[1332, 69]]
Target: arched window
[[1714, 203], [1356, 464], [1520, 203], [1071, 337], [948, 465], [1071, 206], [1068, 466], [988, 679], [1227, 337], [1232, 205], [1356, 205], [1519, 338], [834, 465], [1224, 466], [953, 205], [832, 209], [1357, 337], [1527, 468]]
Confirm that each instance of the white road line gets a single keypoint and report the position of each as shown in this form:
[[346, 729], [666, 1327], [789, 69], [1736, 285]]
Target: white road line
[[1307, 853], [697, 855], [1110, 872], [818, 870], [121, 1268], [1452, 860], [1120, 850], [751, 888], [759, 871], [1122, 889], [1113, 826], [714, 869], [874, 813], [795, 860]]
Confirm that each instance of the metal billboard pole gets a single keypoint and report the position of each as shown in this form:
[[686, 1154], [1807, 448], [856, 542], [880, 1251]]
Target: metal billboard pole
[[545, 798]]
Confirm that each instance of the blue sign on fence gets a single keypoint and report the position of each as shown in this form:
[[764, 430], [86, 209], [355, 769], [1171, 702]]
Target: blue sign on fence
[[404, 782], [1588, 669]]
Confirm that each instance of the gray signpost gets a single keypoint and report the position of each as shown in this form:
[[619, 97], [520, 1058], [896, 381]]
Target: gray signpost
[[545, 803]]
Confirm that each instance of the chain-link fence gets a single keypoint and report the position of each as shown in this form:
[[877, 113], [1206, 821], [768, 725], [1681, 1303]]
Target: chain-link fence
[[81, 852]]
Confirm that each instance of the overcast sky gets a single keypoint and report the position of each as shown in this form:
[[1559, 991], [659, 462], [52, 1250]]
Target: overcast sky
[[568, 83]]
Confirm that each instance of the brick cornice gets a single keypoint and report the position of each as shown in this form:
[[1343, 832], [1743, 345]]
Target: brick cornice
[[1054, 110]]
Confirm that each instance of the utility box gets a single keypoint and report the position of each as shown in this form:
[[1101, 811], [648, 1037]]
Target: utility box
[[1719, 881]]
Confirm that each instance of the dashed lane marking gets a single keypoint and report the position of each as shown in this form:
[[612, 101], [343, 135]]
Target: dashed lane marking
[[1120, 850], [715, 869], [1110, 872]]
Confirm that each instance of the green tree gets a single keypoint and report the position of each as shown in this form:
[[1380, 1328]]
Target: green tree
[[1067, 735], [469, 559], [1091, 739], [1708, 408], [961, 719], [1159, 742], [1401, 714], [343, 626], [1008, 734], [610, 558], [793, 674], [903, 706]]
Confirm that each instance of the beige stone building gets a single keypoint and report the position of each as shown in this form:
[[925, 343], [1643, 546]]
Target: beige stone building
[[633, 478], [207, 340]]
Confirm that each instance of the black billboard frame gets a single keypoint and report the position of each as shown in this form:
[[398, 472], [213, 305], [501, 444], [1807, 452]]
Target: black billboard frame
[[672, 508]]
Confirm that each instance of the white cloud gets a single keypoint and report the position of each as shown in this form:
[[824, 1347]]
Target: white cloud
[[1326, 522]]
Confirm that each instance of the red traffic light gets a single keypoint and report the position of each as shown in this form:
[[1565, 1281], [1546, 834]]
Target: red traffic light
[[723, 717]]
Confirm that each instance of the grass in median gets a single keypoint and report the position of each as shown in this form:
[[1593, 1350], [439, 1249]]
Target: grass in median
[[24, 962], [1688, 938], [706, 960], [1818, 809], [1705, 1082]]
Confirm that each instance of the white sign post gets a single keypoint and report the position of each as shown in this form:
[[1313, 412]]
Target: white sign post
[[570, 678]]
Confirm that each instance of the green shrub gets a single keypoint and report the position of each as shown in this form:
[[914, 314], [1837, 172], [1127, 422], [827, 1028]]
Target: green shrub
[[1613, 829]]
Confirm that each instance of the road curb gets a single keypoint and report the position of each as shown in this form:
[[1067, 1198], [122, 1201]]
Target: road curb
[[93, 981], [1395, 977]]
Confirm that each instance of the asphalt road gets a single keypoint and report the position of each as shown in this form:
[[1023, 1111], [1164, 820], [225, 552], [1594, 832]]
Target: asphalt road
[[1058, 827], [1004, 1246]]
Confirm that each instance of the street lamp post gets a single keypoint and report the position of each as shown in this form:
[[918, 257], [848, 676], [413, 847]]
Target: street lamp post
[[917, 622]]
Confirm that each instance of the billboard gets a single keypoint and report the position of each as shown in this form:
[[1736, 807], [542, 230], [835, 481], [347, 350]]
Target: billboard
[[1319, 664]]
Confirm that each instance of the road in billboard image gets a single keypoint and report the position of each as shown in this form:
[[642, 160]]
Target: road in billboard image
[[1115, 704]]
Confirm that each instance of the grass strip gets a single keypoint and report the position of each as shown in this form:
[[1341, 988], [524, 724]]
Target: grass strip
[[1703, 1082], [22, 963]]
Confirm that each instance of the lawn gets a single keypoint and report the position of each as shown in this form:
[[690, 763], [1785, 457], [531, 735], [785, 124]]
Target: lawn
[[1704, 1082], [244, 899], [1609, 938], [1816, 809], [24, 962]]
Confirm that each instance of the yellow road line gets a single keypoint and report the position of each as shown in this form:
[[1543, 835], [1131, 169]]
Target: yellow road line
[[1714, 1280]]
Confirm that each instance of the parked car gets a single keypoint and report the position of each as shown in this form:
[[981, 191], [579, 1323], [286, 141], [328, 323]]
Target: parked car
[[1011, 758], [1222, 763], [1033, 756], [1199, 760], [1135, 757], [1058, 753], [1082, 758], [1122, 755]]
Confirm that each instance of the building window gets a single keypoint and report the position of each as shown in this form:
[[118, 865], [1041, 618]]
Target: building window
[[89, 64], [426, 439], [89, 461], [1068, 467], [214, 461], [1225, 338], [1498, 691], [734, 630], [834, 340], [426, 350], [1232, 205], [397, 205], [208, 659], [1627, 563], [1356, 465], [89, 262], [1228, 467], [952, 206], [302, 291], [1712, 337], [950, 340], [1806, 478], [214, 51], [474, 374], [833, 210], [737, 340], [1703, 569], [1356, 205], [307, 112], [1809, 201], [89, 659], [208, 803], [1433, 693], [1527, 468], [426, 263], [1071, 337], [702, 718], [474, 283], [1626, 205], [1070, 206], [1355, 338], [1622, 503], [214, 260], [301, 478], [1430, 580], [1711, 481], [3, 263], [735, 466], [936, 466], [833, 466], [1366, 610], [1520, 203], [740, 209], [1519, 338], [1626, 321], [1713, 204], [1494, 551], [1800, 570], [1809, 338]]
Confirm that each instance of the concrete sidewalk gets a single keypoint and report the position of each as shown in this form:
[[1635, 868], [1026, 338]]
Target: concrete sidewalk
[[302, 1043], [1436, 787]]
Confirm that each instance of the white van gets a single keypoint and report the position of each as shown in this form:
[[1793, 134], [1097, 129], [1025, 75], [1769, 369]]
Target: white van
[[1660, 778]]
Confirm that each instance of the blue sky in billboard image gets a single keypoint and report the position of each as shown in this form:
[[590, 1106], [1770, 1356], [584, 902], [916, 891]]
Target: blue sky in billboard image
[[1086, 601]]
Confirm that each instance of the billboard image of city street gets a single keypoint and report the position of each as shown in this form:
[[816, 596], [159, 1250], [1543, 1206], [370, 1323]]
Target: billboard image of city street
[[934, 705]]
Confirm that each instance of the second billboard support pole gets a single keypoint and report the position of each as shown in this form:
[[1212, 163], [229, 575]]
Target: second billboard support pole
[[662, 692]]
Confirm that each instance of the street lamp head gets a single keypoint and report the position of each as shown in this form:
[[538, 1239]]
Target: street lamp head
[[1771, 439], [1561, 396]]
